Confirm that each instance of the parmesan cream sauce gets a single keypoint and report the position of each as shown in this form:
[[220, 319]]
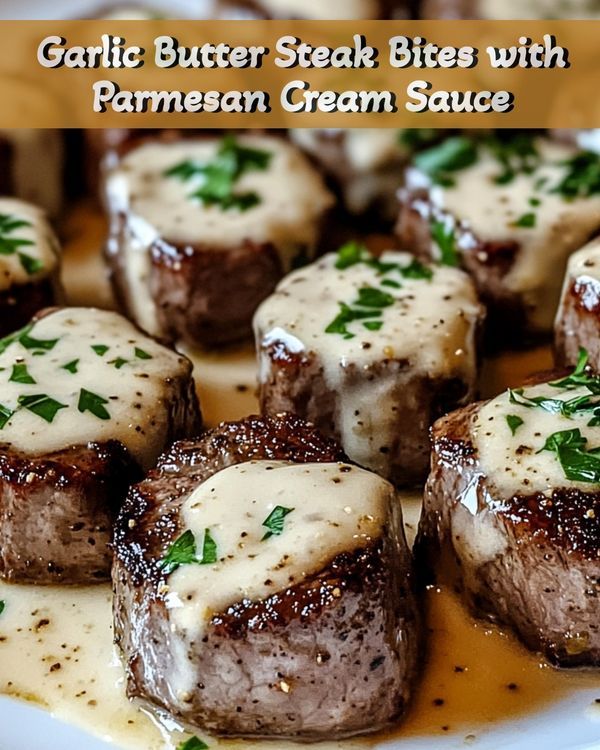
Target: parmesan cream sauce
[[514, 463], [137, 393], [490, 211], [335, 508], [431, 324], [43, 250], [481, 676], [293, 200]]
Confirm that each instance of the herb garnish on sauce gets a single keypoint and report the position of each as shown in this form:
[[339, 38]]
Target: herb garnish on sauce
[[193, 744], [183, 552], [10, 245], [220, 175], [275, 520]]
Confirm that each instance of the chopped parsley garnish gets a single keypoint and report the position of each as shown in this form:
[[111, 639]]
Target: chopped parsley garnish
[[274, 521], [11, 245], [373, 325], [193, 744], [220, 175], [582, 177], [350, 254], [28, 342], [71, 366], [452, 155], [514, 422], [2, 605], [391, 283], [93, 403], [554, 405], [183, 552], [516, 152], [578, 464], [444, 238], [526, 220], [118, 362], [535, 202], [416, 270], [580, 376], [368, 296], [100, 349], [42, 405], [346, 316], [141, 354], [20, 374], [5, 415]]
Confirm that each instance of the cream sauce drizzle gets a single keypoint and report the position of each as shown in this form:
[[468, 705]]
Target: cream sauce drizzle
[[491, 210], [513, 461], [584, 263], [138, 393], [157, 206], [44, 249], [336, 508], [431, 324]]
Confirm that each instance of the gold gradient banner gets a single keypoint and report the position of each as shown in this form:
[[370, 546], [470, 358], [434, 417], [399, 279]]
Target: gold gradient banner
[[42, 87]]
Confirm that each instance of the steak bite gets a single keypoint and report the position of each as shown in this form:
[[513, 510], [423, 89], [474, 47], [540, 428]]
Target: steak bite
[[332, 10], [87, 404], [263, 587], [201, 231], [372, 351], [512, 508], [29, 263], [578, 321], [509, 208]]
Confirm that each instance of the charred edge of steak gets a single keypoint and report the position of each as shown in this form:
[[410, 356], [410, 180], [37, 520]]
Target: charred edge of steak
[[486, 262], [349, 571], [149, 519], [21, 302], [569, 519]]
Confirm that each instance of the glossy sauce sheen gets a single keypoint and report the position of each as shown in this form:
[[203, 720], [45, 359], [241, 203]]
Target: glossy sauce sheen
[[490, 211], [474, 679], [293, 199], [435, 340], [43, 249], [335, 508], [136, 393]]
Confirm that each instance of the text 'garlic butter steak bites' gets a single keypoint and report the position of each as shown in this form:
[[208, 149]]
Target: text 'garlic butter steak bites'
[[87, 402], [510, 209], [29, 263], [263, 586], [514, 499], [372, 351], [578, 321], [202, 230]]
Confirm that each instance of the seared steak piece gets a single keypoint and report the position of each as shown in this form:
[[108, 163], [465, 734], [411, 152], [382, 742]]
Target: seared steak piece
[[332, 10], [31, 162], [300, 621], [510, 209], [506, 11], [512, 511], [87, 404], [201, 230], [372, 351], [578, 321], [29, 264]]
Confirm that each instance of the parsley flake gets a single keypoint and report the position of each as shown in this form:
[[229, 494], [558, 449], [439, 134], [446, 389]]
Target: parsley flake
[[11, 245], [274, 521], [93, 403], [443, 236], [20, 374], [100, 349], [193, 744], [71, 366], [578, 464], [118, 362], [42, 405], [2, 606], [5, 415], [452, 155], [183, 552], [514, 422], [141, 354], [582, 177], [526, 220]]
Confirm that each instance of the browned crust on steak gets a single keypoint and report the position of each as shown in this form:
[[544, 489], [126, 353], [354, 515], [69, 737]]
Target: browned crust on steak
[[387, 9], [340, 625], [578, 322], [57, 511], [545, 581], [487, 263], [462, 9], [295, 383]]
